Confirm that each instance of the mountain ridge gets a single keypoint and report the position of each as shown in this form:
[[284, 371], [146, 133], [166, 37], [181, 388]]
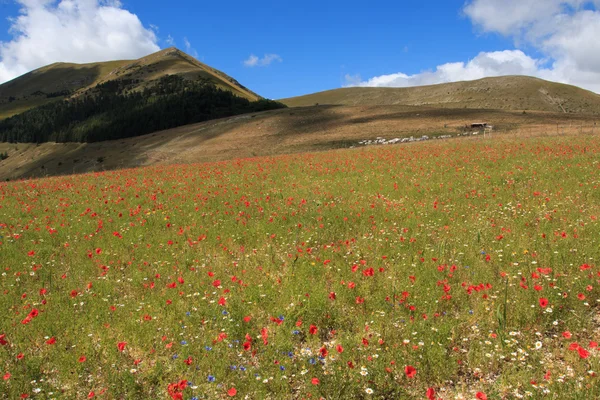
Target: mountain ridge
[[515, 92]]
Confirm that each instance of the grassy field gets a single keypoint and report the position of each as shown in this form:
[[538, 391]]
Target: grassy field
[[444, 269]]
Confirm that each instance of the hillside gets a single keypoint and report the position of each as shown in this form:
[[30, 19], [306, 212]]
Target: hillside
[[501, 93], [66, 80], [303, 129]]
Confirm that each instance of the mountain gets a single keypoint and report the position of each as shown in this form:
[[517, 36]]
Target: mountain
[[282, 131], [499, 93], [85, 103], [60, 81]]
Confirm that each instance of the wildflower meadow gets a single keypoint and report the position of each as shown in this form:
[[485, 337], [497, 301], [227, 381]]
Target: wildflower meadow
[[460, 269]]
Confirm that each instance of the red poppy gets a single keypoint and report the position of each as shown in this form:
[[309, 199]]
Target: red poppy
[[583, 353], [410, 371], [339, 348], [543, 302], [6, 376], [430, 394], [3, 341], [480, 396], [82, 359], [231, 392], [315, 381], [52, 340], [313, 330], [574, 346], [121, 345]]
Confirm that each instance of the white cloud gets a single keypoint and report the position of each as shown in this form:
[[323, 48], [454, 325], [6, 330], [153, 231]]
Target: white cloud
[[254, 61], [47, 31], [189, 49], [508, 62], [564, 32]]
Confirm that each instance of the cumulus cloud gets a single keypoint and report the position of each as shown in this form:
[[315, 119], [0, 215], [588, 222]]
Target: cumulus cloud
[[47, 31], [254, 61], [508, 62], [564, 32]]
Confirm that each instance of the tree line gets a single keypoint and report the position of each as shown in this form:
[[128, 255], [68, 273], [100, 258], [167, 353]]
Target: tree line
[[113, 111]]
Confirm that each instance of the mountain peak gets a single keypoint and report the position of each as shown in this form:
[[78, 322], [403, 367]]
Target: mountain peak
[[64, 80]]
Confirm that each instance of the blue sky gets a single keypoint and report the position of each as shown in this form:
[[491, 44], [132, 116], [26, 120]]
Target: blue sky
[[328, 46], [320, 44]]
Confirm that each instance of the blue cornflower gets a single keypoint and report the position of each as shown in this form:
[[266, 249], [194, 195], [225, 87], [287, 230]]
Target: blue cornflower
[[211, 378]]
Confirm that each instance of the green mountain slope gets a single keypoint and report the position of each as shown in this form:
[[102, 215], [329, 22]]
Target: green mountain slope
[[66, 80], [500, 93]]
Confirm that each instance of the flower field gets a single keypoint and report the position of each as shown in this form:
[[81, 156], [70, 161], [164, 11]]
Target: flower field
[[467, 269]]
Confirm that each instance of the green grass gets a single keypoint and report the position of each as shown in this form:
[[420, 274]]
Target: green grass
[[458, 235]]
